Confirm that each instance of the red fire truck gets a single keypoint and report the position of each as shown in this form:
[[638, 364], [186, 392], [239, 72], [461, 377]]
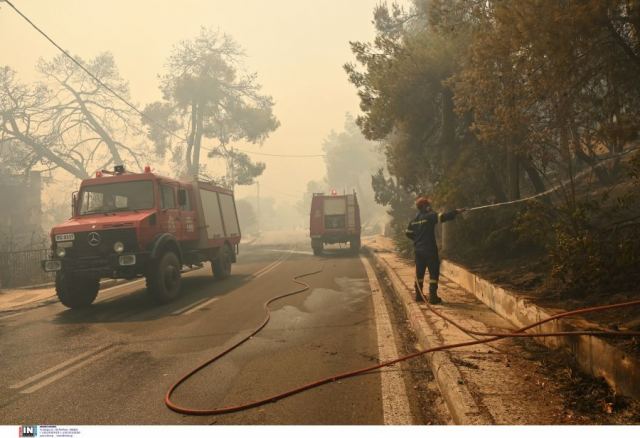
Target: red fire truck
[[334, 219], [127, 225]]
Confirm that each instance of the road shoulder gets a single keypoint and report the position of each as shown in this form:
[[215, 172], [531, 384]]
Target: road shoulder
[[395, 403]]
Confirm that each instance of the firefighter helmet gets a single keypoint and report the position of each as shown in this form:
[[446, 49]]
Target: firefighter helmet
[[422, 201]]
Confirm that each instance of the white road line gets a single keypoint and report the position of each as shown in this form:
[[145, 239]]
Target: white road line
[[278, 263], [271, 266], [65, 372], [260, 271], [395, 403], [179, 311], [268, 270], [123, 285], [111, 297], [292, 251], [57, 367], [200, 306]]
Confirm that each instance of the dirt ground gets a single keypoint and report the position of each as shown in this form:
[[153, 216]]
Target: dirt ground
[[586, 400]]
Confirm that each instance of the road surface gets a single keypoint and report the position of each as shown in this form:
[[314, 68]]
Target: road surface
[[113, 362]]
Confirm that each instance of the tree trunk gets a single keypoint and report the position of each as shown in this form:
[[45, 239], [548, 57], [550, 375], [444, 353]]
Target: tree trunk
[[233, 170], [494, 185], [191, 139], [533, 174], [448, 127], [563, 135], [197, 143], [565, 153], [493, 181], [513, 174]]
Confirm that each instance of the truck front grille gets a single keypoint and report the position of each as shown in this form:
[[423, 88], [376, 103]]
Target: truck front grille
[[99, 243]]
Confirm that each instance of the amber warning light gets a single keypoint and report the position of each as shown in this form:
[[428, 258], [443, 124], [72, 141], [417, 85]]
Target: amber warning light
[[334, 192]]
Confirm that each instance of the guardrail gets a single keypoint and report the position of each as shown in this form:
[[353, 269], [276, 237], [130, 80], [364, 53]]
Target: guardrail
[[22, 268]]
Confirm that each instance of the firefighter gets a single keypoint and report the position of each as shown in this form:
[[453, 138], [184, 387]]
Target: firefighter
[[422, 231]]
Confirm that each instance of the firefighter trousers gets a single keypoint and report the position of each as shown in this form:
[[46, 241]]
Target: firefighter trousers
[[424, 261]]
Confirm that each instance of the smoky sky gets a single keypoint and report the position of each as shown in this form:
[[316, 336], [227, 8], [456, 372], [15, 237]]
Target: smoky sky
[[297, 48]]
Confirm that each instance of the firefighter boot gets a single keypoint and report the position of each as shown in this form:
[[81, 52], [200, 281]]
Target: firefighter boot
[[433, 293], [418, 288]]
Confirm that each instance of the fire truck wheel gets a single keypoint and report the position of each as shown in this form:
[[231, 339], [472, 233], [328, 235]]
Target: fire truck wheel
[[163, 280], [222, 264], [354, 245], [316, 245], [76, 292]]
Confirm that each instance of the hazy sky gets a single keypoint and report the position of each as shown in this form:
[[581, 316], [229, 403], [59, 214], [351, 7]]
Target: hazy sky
[[297, 47]]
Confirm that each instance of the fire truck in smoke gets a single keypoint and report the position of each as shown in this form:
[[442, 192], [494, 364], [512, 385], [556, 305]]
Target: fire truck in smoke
[[128, 225], [334, 219]]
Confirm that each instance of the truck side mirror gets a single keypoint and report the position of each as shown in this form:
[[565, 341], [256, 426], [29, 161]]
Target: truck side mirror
[[182, 197], [74, 203]]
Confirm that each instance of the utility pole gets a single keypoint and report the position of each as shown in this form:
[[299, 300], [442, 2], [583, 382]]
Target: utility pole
[[233, 171], [258, 205]]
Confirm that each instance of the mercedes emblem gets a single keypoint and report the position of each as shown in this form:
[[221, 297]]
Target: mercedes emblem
[[94, 239]]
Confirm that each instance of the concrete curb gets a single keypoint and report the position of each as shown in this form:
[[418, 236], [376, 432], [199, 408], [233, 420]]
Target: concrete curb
[[460, 402], [594, 355]]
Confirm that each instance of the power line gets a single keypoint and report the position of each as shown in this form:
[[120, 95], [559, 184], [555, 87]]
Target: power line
[[95, 78], [125, 101], [280, 155], [270, 189]]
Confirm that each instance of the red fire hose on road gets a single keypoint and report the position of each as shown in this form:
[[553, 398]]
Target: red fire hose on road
[[491, 337]]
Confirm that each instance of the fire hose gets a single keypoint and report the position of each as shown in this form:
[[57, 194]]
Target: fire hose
[[490, 337]]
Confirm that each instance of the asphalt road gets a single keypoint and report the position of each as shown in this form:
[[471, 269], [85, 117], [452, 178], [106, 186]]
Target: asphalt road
[[113, 362]]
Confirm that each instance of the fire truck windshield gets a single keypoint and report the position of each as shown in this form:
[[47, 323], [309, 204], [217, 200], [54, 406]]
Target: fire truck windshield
[[117, 196]]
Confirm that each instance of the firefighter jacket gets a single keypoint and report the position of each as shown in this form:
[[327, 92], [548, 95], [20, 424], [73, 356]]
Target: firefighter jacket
[[422, 230]]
